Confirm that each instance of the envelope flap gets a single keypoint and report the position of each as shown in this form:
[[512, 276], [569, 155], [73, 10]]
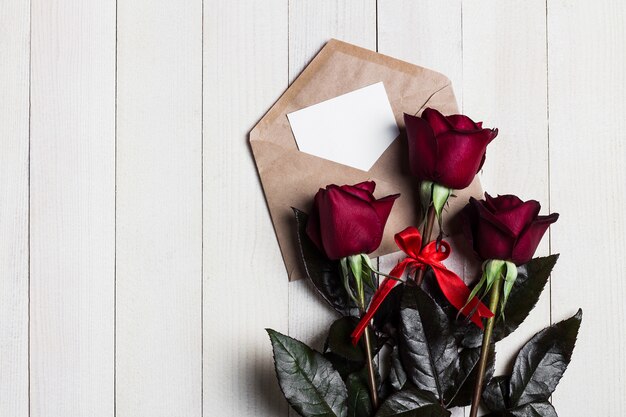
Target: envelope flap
[[340, 68]]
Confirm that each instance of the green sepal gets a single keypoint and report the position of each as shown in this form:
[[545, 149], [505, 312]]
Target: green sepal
[[345, 274], [356, 266], [440, 198], [509, 280], [426, 194], [367, 271]]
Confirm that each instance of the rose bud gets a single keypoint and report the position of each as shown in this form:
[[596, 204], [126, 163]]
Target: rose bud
[[348, 220], [506, 228], [447, 150]]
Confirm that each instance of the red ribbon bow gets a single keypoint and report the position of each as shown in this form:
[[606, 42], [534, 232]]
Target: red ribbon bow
[[453, 288]]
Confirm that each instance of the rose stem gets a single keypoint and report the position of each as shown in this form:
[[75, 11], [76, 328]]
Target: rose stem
[[368, 353], [370, 368], [484, 353], [426, 235]]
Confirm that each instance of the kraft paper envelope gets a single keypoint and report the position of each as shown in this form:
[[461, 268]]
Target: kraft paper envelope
[[291, 178]]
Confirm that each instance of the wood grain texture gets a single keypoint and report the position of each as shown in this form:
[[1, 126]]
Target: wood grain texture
[[159, 209], [510, 93], [587, 90], [72, 208], [14, 138], [245, 282], [427, 33]]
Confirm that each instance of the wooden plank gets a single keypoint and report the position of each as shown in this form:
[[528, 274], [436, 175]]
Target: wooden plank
[[510, 92], [72, 208], [311, 24], [245, 282], [159, 209], [587, 86], [426, 33], [14, 138]]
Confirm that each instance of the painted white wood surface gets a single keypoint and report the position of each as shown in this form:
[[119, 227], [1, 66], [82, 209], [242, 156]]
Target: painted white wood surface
[[587, 101], [133, 309], [14, 127], [159, 209], [72, 208], [245, 283]]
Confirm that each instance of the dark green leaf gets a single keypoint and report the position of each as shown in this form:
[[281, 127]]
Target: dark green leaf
[[387, 318], [323, 272], [465, 374], [537, 409], [542, 361], [427, 345], [397, 375], [530, 282], [344, 366], [339, 339], [308, 381], [496, 393], [359, 402], [412, 402]]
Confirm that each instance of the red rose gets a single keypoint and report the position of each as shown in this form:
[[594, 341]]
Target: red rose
[[348, 220], [448, 150], [506, 227]]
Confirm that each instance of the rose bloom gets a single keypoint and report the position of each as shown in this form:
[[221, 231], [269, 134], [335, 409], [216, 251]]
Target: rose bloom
[[506, 227], [348, 220], [447, 150]]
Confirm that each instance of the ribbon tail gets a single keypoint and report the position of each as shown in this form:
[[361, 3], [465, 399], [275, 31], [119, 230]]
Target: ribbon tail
[[455, 290], [377, 299]]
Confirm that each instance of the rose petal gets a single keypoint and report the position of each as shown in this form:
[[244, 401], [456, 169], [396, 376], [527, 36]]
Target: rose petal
[[529, 240], [362, 190], [383, 207], [313, 223], [463, 123], [437, 121], [516, 219], [483, 212], [491, 241], [503, 202], [460, 155], [368, 186], [422, 147], [348, 224]]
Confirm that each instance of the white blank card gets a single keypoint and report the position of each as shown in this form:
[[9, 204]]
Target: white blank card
[[352, 129]]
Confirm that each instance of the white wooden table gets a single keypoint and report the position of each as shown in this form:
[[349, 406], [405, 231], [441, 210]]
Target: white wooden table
[[138, 266]]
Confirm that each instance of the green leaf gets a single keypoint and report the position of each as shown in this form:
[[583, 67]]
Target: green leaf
[[359, 402], [542, 361], [387, 318], [397, 375], [339, 342], [427, 345], [412, 402], [323, 272], [465, 374], [536, 409], [496, 394], [344, 366], [308, 381], [529, 284]]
